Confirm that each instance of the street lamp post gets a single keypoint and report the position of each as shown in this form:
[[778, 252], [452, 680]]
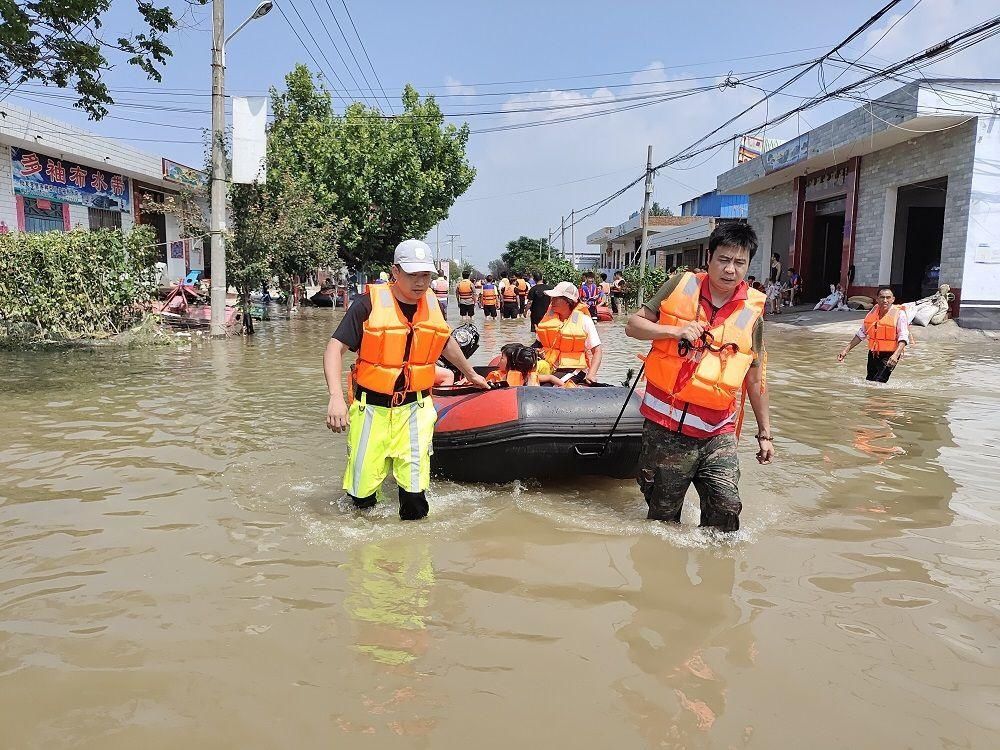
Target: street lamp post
[[218, 208]]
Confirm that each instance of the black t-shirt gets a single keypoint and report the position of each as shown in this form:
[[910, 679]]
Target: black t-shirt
[[539, 300], [352, 326]]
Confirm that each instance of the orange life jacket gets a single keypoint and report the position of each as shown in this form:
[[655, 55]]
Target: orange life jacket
[[882, 334], [709, 375], [521, 287], [513, 378], [564, 341], [489, 297], [440, 289], [509, 293], [382, 358], [466, 292]]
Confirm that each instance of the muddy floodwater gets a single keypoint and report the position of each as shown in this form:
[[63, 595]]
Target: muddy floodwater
[[177, 569]]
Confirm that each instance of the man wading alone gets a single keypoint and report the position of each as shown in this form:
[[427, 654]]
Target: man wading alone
[[708, 353], [399, 333], [888, 334]]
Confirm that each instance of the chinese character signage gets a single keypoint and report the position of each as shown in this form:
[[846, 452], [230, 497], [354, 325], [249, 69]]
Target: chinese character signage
[[40, 176]]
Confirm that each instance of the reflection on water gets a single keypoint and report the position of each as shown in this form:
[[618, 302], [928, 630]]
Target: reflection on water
[[180, 568]]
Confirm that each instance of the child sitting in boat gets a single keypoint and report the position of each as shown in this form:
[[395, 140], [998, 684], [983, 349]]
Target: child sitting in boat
[[519, 365]]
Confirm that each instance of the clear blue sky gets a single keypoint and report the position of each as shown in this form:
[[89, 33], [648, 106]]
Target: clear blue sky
[[527, 178]]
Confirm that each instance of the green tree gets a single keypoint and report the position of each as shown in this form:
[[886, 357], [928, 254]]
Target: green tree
[[531, 256], [385, 178], [63, 44], [277, 229], [657, 210]]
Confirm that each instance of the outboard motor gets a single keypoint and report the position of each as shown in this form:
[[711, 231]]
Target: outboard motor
[[467, 337]]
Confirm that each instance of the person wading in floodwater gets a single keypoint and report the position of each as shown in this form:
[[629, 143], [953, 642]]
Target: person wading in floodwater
[[398, 332], [707, 354], [888, 334]]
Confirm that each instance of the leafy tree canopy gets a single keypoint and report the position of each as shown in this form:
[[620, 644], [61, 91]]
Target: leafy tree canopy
[[533, 257], [64, 43], [385, 178], [657, 210]]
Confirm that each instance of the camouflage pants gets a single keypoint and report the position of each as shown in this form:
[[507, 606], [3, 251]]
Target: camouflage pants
[[670, 462]]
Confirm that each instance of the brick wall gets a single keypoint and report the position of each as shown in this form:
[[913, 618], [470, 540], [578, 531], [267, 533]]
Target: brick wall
[[948, 153], [764, 206]]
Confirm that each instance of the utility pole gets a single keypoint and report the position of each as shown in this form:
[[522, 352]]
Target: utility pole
[[645, 221], [451, 239], [548, 248], [562, 236], [218, 208], [572, 232], [437, 229]]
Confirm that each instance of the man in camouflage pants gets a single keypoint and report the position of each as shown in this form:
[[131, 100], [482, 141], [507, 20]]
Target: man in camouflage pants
[[708, 350], [671, 461]]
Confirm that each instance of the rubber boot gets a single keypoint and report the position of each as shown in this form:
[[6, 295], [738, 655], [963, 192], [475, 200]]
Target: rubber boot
[[412, 505], [363, 503]]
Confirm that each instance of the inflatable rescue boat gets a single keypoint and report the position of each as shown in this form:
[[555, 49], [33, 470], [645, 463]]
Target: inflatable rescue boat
[[535, 432]]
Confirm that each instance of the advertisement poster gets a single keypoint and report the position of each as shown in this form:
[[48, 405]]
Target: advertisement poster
[[175, 172], [787, 154], [38, 175]]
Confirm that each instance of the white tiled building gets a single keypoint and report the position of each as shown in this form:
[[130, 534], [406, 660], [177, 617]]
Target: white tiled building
[[56, 177]]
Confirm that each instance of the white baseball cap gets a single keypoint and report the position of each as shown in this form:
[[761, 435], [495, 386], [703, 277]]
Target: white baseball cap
[[565, 289], [414, 256]]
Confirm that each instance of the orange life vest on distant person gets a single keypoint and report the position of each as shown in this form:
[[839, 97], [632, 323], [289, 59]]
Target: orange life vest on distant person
[[707, 375], [881, 330], [564, 341], [466, 292], [383, 358], [489, 296], [521, 287], [509, 293]]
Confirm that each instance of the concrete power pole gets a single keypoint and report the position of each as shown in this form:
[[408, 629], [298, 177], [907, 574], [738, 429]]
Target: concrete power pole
[[218, 208], [562, 236], [645, 221], [548, 249], [451, 239]]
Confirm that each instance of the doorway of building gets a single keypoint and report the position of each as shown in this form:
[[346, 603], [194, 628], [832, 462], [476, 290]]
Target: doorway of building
[[827, 250], [916, 259]]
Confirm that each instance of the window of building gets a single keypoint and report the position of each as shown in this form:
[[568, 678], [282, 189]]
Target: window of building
[[42, 215], [101, 218]]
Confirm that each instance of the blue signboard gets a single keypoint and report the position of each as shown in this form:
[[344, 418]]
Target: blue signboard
[[41, 176], [787, 154]]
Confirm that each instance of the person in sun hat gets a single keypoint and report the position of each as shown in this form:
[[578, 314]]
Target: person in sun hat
[[567, 333]]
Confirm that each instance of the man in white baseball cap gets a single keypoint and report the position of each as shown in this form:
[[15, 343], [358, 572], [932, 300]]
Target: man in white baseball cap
[[399, 333], [567, 333]]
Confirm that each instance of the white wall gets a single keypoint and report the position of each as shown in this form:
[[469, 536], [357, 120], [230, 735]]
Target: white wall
[[981, 277], [8, 206]]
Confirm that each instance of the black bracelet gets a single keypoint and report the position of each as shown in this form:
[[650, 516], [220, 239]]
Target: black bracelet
[[763, 437]]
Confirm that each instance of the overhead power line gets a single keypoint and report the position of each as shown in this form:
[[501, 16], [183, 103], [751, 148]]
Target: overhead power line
[[365, 50]]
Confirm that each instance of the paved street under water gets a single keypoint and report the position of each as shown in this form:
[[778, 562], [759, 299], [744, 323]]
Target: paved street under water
[[177, 569]]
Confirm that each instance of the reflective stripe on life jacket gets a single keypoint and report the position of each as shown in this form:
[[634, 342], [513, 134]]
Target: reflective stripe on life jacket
[[466, 292], [710, 373], [489, 296], [382, 357], [564, 342], [881, 330]]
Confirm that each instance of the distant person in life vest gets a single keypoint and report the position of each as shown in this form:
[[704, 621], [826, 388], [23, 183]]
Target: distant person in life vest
[[465, 293], [399, 333], [888, 334], [707, 355]]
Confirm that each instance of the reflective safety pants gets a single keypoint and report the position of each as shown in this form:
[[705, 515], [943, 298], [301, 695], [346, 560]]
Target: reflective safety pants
[[380, 438]]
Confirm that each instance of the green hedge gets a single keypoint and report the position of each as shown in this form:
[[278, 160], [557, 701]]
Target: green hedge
[[65, 285]]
